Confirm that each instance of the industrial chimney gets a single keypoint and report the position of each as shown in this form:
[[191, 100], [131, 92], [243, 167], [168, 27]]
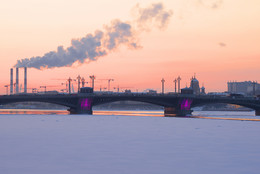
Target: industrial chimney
[[11, 81], [17, 81], [25, 79]]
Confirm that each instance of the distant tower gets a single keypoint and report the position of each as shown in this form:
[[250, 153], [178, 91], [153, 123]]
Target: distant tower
[[202, 90], [162, 85], [194, 84], [175, 84], [179, 84], [79, 78]]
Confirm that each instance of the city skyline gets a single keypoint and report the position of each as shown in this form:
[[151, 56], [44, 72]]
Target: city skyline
[[214, 39]]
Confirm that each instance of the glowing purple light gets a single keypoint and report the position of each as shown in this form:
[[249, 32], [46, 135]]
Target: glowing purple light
[[85, 104], [186, 104]]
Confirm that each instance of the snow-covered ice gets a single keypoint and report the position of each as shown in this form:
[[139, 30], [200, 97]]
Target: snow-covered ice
[[85, 144]]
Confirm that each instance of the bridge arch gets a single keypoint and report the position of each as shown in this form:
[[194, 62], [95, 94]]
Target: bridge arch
[[34, 105], [254, 104], [127, 104], [222, 106], [67, 101]]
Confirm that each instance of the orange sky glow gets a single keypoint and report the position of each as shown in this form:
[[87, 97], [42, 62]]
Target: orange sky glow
[[216, 39]]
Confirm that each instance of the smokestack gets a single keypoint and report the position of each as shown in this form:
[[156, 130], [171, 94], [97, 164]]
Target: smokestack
[[25, 79], [11, 81], [17, 81]]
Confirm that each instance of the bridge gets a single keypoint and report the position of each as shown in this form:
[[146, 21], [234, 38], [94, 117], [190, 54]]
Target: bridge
[[174, 104]]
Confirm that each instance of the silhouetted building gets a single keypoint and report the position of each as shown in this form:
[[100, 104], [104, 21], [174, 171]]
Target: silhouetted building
[[194, 84], [246, 87], [202, 90], [152, 91], [186, 90]]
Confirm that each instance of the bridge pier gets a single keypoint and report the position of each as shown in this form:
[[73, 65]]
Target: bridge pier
[[173, 111], [257, 112], [84, 106], [182, 109], [79, 111]]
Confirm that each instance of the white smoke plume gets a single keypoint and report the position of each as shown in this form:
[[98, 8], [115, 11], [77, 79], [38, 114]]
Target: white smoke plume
[[153, 15], [93, 46], [214, 4], [222, 44]]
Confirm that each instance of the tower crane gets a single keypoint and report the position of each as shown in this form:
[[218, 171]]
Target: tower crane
[[109, 80], [69, 80], [108, 83]]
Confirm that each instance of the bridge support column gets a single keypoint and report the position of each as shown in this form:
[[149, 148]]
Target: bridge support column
[[173, 111], [257, 112], [84, 106], [182, 109]]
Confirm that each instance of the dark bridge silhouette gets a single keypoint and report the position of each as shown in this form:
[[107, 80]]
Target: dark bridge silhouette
[[175, 104]]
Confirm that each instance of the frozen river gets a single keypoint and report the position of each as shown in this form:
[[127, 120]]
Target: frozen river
[[126, 142]]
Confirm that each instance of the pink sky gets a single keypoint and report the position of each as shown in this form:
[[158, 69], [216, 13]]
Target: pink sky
[[190, 43]]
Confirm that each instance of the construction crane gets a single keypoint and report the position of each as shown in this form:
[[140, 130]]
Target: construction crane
[[67, 80], [109, 80], [66, 88], [92, 80], [108, 83]]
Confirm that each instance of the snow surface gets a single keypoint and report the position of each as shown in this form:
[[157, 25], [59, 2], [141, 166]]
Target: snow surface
[[85, 144]]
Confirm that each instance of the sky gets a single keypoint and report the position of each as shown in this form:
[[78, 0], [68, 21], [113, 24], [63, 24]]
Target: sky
[[218, 40]]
